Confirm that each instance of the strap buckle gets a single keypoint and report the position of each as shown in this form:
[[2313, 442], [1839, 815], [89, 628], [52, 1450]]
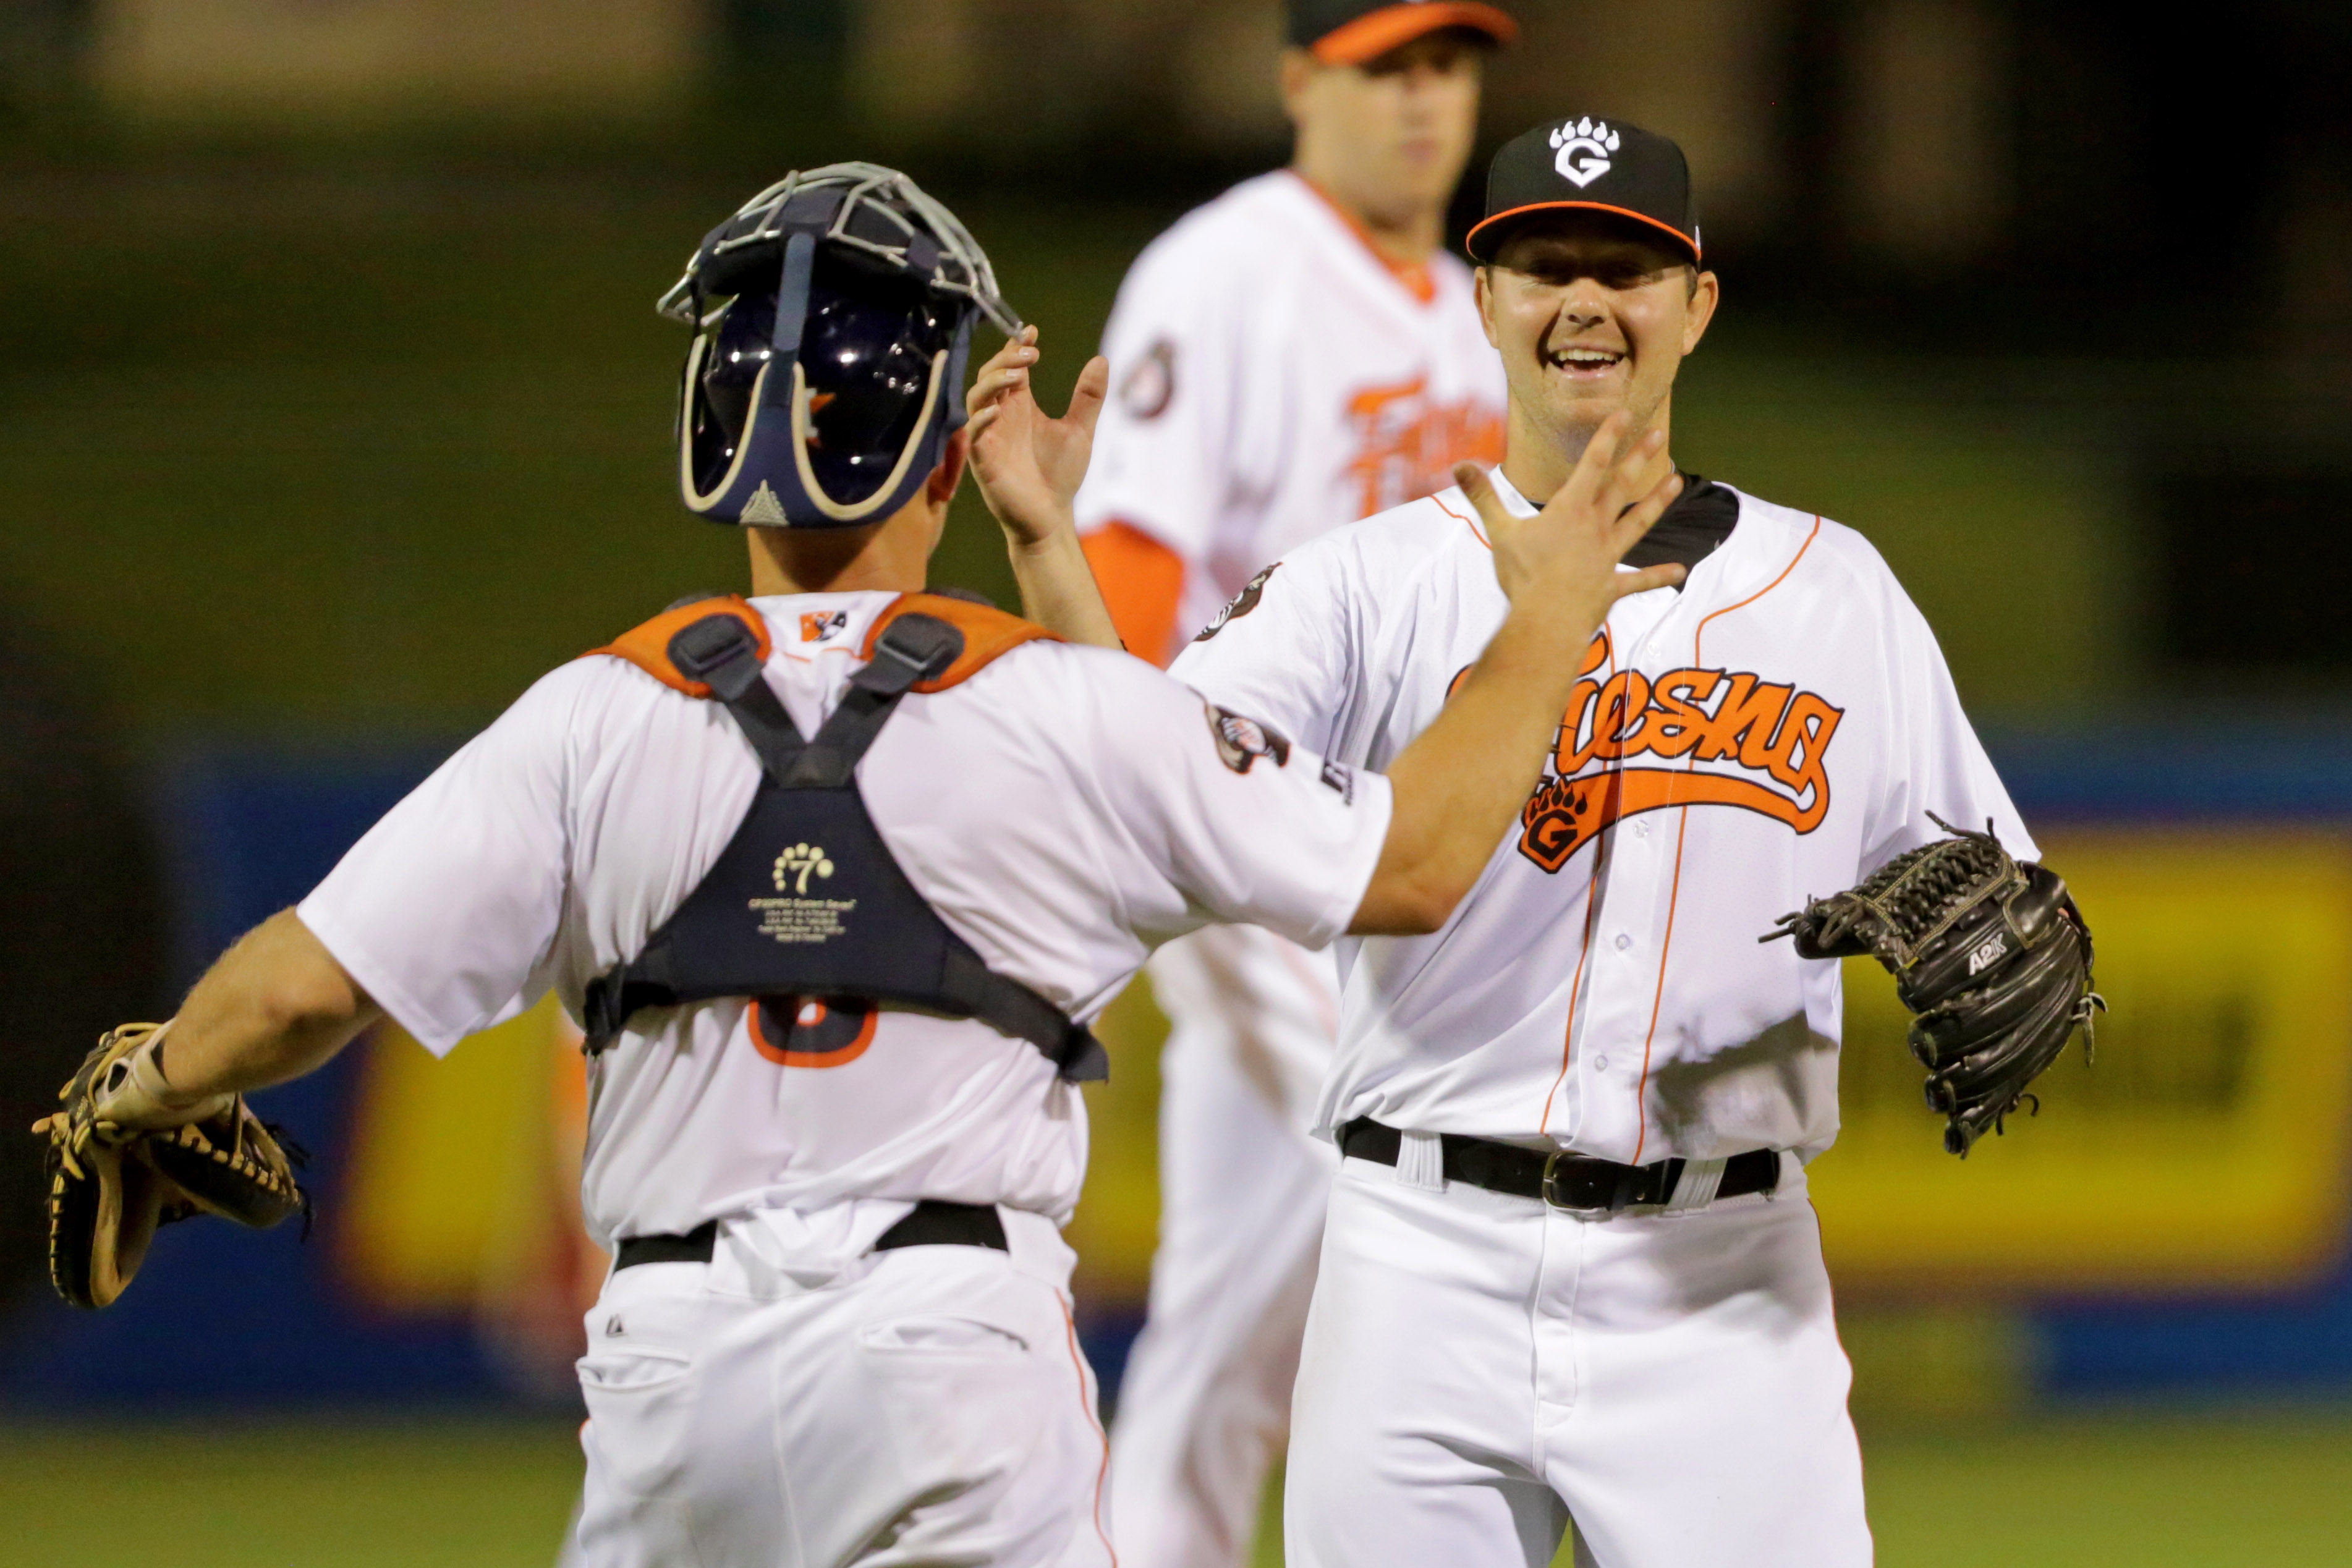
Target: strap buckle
[[1554, 1198], [1627, 1186]]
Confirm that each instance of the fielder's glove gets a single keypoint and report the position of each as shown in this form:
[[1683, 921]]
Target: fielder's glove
[[1989, 953], [128, 1153]]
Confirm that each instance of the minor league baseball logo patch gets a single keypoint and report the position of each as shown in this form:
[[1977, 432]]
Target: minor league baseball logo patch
[[1241, 604], [1241, 741], [1146, 391], [1585, 148]]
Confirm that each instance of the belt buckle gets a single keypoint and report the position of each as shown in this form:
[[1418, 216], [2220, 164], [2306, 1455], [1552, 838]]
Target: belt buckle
[[1553, 1199], [1622, 1195]]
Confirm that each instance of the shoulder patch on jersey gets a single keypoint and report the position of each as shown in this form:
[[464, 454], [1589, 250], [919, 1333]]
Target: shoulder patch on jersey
[[1149, 384], [1241, 741], [1241, 604]]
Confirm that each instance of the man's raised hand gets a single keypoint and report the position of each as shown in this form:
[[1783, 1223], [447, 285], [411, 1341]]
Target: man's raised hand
[[1030, 467], [1566, 556]]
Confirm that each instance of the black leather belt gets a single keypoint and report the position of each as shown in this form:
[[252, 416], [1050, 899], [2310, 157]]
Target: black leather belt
[[931, 1223], [1564, 1181]]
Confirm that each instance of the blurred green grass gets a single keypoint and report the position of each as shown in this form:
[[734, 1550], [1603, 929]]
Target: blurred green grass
[[2135, 1489]]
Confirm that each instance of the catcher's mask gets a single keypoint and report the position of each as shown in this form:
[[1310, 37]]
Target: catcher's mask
[[832, 321]]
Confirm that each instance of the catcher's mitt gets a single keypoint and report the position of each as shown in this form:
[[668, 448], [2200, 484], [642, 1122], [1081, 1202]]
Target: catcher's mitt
[[125, 1157], [1989, 953]]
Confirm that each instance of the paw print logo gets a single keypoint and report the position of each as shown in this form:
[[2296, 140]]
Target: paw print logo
[[796, 864], [1585, 146]]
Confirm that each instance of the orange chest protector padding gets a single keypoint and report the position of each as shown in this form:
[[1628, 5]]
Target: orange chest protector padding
[[806, 910]]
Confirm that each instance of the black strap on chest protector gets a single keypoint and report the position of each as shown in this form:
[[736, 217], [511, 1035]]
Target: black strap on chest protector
[[807, 901]]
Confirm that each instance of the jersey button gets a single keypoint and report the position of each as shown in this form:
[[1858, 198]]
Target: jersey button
[[1624, 941], [1600, 1064]]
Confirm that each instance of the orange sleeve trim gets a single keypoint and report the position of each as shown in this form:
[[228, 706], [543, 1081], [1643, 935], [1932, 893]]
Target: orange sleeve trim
[[647, 646], [1143, 583], [989, 635]]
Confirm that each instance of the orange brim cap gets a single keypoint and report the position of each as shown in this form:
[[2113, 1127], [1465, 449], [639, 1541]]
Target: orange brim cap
[[1375, 33], [1491, 227], [1584, 164]]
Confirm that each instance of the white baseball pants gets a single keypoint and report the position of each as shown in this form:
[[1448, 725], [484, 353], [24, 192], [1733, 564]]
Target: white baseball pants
[[926, 1405], [1205, 1405], [1479, 1368]]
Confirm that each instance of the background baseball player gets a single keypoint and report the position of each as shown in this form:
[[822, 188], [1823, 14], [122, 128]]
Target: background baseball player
[[1296, 354], [1569, 1267], [837, 1327]]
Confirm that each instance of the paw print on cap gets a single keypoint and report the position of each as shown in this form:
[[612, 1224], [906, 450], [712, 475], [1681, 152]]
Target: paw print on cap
[[1585, 148]]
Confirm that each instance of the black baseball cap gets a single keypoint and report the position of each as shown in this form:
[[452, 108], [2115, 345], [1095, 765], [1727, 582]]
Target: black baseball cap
[[1597, 165], [1349, 32]]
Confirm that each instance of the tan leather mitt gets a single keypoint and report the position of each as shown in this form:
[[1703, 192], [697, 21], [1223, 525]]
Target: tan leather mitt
[[126, 1155]]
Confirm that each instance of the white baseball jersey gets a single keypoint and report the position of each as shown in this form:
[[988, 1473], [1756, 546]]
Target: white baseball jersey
[[1062, 809], [1273, 377], [1777, 728]]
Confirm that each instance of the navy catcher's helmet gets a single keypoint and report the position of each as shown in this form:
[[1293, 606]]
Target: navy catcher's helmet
[[832, 321]]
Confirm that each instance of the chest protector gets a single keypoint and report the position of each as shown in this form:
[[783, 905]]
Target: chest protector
[[806, 911]]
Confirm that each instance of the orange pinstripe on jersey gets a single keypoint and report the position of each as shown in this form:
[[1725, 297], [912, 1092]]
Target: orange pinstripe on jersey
[[1673, 897]]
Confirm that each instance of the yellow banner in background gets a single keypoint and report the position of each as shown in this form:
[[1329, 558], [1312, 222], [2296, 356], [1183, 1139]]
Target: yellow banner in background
[[461, 1197], [2208, 1144]]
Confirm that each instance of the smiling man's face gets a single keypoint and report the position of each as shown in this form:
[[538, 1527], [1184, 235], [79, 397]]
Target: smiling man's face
[[1591, 317]]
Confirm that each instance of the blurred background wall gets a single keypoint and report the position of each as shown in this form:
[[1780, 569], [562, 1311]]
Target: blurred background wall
[[333, 409]]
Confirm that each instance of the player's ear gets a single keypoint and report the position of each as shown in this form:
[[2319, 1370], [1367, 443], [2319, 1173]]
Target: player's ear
[[1296, 75], [1705, 293], [1483, 280], [948, 475]]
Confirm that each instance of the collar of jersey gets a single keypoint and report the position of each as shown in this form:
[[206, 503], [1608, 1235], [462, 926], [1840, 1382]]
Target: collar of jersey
[[1519, 506], [857, 608], [1419, 281]]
